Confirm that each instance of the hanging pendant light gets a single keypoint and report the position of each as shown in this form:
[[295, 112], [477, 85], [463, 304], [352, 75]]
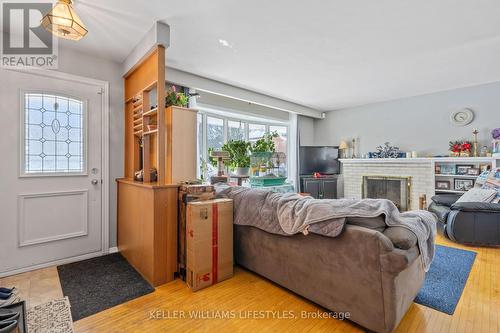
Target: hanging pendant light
[[62, 21]]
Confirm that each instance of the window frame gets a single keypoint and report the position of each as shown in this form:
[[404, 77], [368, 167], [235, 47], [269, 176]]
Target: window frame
[[22, 132], [232, 116]]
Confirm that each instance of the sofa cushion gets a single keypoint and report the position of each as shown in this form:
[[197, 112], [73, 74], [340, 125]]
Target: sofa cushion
[[478, 195], [375, 223], [490, 180], [445, 199], [402, 238]]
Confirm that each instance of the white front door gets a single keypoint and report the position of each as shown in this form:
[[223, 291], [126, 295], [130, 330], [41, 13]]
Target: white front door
[[50, 170]]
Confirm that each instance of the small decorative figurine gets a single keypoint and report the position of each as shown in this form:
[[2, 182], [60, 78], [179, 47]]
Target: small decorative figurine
[[387, 151], [353, 148], [474, 132]]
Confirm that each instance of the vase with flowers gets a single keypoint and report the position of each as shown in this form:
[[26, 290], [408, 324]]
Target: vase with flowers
[[460, 148], [495, 134]]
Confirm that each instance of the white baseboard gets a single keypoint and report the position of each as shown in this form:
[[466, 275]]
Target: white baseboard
[[113, 249], [51, 263]]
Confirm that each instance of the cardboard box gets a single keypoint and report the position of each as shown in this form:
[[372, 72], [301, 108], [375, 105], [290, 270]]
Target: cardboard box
[[188, 193], [196, 189], [209, 238]]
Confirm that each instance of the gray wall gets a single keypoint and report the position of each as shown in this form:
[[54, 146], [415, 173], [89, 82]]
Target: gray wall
[[306, 131], [77, 63], [418, 123]]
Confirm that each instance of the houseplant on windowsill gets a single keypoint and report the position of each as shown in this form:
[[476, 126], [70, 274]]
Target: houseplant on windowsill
[[239, 160], [264, 171]]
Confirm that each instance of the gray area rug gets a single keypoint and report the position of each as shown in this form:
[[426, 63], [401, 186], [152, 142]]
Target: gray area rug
[[50, 317], [100, 283]]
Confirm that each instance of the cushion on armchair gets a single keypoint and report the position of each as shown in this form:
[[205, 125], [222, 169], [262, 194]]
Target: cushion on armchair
[[441, 211], [445, 199], [402, 238], [476, 207], [478, 195]]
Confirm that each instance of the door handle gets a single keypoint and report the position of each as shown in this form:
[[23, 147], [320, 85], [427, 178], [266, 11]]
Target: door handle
[[94, 182]]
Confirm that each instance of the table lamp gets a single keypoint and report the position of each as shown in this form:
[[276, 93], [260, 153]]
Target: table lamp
[[342, 147]]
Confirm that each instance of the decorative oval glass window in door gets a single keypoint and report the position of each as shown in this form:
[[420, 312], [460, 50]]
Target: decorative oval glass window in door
[[54, 134]]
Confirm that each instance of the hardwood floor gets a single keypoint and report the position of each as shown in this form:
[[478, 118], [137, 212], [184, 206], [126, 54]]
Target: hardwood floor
[[477, 311]]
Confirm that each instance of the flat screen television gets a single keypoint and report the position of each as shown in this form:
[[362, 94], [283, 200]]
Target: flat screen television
[[324, 160]]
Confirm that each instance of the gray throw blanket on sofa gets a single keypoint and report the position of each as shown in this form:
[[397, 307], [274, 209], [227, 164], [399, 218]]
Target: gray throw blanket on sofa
[[290, 213]]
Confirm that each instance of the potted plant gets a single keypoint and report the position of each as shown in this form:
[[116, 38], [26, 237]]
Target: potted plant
[[262, 151], [175, 98], [495, 134], [265, 144], [239, 156], [465, 150], [455, 148], [460, 148]]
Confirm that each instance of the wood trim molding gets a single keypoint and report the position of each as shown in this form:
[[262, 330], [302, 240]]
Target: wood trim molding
[[21, 218], [104, 92]]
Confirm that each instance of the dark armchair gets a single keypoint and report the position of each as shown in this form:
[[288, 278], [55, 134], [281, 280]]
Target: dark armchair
[[474, 223]]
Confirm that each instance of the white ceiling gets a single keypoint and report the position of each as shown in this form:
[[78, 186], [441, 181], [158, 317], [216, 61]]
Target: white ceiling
[[322, 54]]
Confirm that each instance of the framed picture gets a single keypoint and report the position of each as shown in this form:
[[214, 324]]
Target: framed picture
[[447, 169], [484, 167], [442, 184], [473, 171], [437, 169], [463, 184], [463, 169]]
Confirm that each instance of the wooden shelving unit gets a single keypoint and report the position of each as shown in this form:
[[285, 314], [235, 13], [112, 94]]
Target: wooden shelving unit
[[475, 162], [147, 210]]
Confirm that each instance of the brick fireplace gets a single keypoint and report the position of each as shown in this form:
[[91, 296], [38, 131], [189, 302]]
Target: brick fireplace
[[419, 174]]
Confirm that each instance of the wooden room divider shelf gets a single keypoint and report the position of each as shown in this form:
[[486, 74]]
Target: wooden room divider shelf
[[147, 211]]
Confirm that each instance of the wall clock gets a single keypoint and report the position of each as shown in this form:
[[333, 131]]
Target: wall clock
[[462, 117]]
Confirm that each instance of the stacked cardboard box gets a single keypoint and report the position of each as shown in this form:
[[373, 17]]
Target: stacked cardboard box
[[189, 193], [209, 238]]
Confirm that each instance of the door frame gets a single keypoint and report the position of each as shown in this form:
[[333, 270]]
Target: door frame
[[103, 90]]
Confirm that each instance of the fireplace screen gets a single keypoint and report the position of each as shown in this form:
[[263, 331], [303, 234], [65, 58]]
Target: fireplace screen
[[396, 189]]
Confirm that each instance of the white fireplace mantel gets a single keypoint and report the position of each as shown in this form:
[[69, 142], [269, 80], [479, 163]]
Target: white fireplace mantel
[[419, 160], [420, 170]]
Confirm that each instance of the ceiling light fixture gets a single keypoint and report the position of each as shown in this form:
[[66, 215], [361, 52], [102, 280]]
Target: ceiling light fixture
[[225, 43], [63, 22]]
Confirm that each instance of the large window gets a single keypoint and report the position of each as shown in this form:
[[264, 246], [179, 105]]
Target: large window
[[281, 140], [255, 131], [53, 133], [215, 132], [216, 129], [235, 130]]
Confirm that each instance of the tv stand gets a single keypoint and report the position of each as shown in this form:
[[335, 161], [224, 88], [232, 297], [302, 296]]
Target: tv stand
[[324, 187]]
